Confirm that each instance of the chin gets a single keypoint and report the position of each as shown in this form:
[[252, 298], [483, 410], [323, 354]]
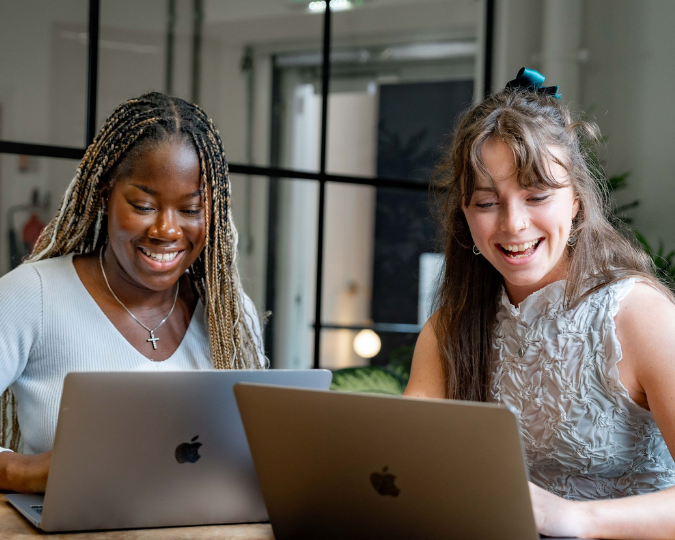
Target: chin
[[157, 282], [525, 279]]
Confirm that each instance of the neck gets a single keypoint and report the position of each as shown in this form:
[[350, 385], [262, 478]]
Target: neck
[[128, 291], [518, 293]]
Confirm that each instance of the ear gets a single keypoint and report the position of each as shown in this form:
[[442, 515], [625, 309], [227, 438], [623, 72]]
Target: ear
[[105, 196], [576, 206]]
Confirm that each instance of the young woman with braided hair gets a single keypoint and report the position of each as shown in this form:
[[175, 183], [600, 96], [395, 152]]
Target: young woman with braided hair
[[546, 308], [137, 271]]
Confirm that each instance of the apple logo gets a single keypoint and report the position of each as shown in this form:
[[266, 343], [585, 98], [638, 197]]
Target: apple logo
[[188, 452], [384, 483]]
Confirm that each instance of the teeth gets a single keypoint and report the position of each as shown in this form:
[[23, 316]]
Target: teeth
[[520, 247], [160, 257]]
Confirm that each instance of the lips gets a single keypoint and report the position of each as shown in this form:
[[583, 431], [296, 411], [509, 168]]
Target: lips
[[520, 251], [161, 260], [160, 257]]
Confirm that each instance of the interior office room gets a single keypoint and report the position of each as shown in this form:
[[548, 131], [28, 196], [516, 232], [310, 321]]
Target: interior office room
[[258, 74], [334, 116]]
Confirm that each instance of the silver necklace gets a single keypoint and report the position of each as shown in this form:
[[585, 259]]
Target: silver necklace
[[153, 339], [523, 343]]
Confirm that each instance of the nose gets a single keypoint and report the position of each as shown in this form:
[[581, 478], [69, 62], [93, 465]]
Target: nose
[[513, 218], [166, 227]]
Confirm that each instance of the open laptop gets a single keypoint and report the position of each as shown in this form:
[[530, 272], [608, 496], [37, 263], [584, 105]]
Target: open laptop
[[334, 466], [145, 449]]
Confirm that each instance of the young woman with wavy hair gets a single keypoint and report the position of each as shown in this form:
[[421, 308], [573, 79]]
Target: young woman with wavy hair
[[545, 307]]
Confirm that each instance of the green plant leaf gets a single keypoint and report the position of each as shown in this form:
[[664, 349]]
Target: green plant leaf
[[644, 242], [369, 379], [620, 181]]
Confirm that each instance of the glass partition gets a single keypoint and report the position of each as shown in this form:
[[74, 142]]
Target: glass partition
[[43, 71]]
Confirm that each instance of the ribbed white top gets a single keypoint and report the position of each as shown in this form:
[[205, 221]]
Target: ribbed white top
[[50, 325]]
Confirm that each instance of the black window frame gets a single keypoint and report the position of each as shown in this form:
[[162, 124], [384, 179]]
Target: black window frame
[[272, 172]]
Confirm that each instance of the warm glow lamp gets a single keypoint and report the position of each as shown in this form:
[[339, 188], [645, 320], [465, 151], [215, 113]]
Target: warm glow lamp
[[367, 343]]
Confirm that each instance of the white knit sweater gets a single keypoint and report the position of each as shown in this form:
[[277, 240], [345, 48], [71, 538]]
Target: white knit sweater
[[50, 325]]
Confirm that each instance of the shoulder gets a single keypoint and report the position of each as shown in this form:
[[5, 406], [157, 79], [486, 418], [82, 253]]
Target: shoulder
[[19, 281], [426, 375], [645, 327], [32, 271], [21, 314], [31, 282], [644, 309]]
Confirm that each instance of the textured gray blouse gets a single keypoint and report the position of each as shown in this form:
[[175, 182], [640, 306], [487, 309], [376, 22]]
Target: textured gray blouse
[[584, 437]]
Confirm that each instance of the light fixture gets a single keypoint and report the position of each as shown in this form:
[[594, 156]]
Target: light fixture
[[367, 343], [335, 5]]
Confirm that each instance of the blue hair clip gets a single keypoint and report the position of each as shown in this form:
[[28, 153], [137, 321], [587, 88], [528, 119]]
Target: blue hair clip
[[530, 79]]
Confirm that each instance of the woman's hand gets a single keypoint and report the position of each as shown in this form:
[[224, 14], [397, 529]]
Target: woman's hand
[[24, 473], [556, 516]]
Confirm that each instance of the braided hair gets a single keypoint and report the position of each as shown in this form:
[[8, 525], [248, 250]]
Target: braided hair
[[80, 224]]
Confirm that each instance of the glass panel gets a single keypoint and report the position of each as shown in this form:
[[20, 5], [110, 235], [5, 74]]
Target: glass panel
[[349, 250], [226, 67], [132, 53], [43, 71], [342, 348], [401, 73], [374, 241], [380, 265], [337, 349], [291, 272], [30, 191], [250, 212]]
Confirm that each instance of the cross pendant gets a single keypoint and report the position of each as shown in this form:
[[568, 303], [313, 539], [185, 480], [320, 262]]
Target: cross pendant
[[153, 339]]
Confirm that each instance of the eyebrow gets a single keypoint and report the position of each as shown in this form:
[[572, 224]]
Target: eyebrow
[[146, 189], [154, 193]]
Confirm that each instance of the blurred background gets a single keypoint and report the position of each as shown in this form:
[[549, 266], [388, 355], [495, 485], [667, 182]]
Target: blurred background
[[331, 202]]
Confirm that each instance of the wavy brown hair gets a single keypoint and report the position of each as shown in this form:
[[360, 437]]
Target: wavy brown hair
[[531, 124]]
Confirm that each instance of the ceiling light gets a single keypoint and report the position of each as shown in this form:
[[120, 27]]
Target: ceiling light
[[335, 5]]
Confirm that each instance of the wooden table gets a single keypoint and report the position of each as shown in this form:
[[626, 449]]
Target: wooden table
[[14, 527]]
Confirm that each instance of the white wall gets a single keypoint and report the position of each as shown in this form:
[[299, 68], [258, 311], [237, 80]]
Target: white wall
[[624, 86], [28, 30]]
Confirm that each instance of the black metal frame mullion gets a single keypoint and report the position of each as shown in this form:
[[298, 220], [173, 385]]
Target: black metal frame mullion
[[273, 210], [275, 173], [325, 81], [41, 150], [489, 46], [92, 68]]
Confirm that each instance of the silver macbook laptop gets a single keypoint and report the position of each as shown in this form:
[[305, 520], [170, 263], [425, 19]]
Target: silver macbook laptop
[[335, 466], [139, 450]]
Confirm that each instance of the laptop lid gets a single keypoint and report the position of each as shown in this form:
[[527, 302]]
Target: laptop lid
[[139, 450], [335, 466]]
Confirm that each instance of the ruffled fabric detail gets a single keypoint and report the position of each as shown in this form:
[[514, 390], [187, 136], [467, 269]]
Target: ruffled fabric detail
[[584, 437]]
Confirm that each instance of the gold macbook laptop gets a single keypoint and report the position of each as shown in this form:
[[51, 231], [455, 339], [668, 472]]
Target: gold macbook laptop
[[335, 466]]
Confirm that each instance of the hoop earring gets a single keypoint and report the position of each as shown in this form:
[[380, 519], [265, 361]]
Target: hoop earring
[[571, 239], [475, 250]]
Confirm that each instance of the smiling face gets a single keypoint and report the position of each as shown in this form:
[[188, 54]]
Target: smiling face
[[156, 216], [523, 233]]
